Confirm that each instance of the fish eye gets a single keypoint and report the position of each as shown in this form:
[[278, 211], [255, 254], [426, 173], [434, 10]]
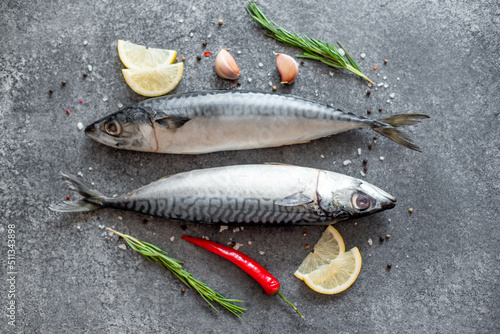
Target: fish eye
[[361, 201], [113, 128]]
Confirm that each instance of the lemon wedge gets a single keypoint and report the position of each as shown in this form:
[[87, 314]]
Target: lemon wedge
[[338, 275], [329, 246], [153, 81], [138, 56]]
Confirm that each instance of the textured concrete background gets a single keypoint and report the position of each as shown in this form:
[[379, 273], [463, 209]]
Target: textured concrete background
[[71, 277]]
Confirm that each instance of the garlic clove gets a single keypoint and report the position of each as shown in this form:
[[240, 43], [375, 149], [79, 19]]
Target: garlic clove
[[225, 65], [288, 68]]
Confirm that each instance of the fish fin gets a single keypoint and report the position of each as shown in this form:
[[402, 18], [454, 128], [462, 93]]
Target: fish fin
[[387, 128], [165, 177], [403, 120], [303, 141], [172, 122], [295, 200], [92, 199], [78, 206]]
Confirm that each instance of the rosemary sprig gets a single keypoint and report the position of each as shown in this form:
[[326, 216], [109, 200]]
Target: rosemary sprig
[[151, 252], [313, 48]]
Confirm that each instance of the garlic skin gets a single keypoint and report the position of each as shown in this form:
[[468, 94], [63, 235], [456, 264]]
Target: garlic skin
[[225, 66], [288, 68]]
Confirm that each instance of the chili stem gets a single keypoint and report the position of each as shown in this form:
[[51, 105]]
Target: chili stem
[[289, 303]]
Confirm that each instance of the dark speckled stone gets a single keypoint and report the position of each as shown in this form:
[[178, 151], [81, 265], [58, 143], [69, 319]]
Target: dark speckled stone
[[72, 278]]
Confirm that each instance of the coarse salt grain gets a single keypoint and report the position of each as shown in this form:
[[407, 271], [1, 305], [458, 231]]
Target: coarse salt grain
[[191, 34], [90, 168], [261, 253], [362, 173], [80, 174], [382, 158], [120, 218], [347, 162], [249, 242], [238, 52], [363, 55], [105, 99], [385, 78], [322, 156], [270, 84], [90, 68], [392, 95], [386, 85], [120, 105], [370, 242], [101, 227], [172, 238], [236, 229], [237, 246], [223, 228], [85, 42], [249, 79], [122, 246], [260, 64], [78, 228], [331, 74], [359, 151], [380, 84], [342, 52], [79, 126]]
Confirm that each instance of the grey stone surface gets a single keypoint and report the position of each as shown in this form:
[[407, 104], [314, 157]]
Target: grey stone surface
[[71, 277]]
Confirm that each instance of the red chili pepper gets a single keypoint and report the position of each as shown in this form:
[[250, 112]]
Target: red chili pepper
[[251, 267], [207, 53]]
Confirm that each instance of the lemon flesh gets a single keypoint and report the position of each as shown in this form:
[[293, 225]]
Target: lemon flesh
[[153, 81], [338, 275], [329, 246], [138, 56]]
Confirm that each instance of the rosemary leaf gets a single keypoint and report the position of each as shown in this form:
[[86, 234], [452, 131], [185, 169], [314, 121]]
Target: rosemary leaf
[[313, 49], [153, 253]]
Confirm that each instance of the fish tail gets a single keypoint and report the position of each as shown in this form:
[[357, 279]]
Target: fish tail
[[388, 127], [92, 199]]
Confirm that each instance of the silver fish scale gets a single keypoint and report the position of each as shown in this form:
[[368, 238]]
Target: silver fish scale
[[237, 103], [221, 210], [233, 194]]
